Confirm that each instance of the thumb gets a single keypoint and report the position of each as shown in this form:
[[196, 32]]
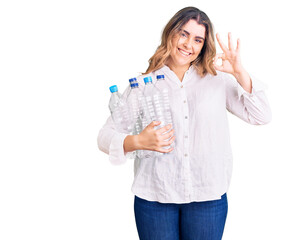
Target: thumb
[[217, 67]]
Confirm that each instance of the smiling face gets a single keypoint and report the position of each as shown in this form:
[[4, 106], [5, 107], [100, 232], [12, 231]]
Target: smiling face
[[186, 45]]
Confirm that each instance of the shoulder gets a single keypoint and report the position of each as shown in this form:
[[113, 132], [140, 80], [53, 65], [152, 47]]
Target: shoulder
[[219, 75], [207, 76]]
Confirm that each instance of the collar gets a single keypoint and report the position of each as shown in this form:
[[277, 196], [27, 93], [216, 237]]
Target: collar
[[171, 74]]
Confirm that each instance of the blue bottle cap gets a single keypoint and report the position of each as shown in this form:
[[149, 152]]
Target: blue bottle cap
[[113, 89], [147, 79], [159, 76], [131, 80], [136, 84], [132, 85]]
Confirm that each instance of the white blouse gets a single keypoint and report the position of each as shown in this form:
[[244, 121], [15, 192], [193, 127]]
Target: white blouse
[[200, 166]]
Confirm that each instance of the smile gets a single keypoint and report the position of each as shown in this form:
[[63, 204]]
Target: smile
[[183, 52]]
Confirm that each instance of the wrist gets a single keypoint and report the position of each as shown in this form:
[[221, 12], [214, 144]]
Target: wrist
[[131, 143], [137, 142], [244, 80], [238, 74]]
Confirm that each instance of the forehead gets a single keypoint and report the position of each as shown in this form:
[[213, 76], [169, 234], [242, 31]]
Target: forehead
[[194, 28]]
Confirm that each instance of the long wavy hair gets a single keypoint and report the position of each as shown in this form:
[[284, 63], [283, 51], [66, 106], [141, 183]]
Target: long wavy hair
[[204, 62]]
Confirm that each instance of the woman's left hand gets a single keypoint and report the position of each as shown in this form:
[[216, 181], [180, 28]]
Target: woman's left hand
[[231, 59]]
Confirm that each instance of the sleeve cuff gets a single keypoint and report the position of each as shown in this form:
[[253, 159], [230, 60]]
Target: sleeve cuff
[[117, 155], [257, 86]]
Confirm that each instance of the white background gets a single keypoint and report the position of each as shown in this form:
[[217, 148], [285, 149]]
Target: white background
[[57, 60]]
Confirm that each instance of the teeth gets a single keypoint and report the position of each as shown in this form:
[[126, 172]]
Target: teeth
[[185, 53]]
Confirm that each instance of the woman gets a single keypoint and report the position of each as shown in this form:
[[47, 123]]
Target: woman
[[182, 195]]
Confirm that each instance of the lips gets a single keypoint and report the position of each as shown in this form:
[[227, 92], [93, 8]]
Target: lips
[[184, 53]]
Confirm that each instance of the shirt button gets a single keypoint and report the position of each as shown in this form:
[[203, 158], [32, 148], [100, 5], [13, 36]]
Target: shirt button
[[186, 155], [186, 117], [184, 101], [186, 136]]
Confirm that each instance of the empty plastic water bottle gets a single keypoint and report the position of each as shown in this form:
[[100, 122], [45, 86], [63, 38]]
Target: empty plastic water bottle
[[119, 111], [149, 113], [161, 103], [134, 102], [148, 95]]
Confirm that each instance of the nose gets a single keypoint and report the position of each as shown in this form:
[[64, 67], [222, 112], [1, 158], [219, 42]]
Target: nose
[[188, 43]]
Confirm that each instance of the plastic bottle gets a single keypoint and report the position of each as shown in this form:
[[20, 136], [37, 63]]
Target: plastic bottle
[[148, 109], [134, 102], [119, 111], [161, 101], [148, 95], [161, 105], [131, 80]]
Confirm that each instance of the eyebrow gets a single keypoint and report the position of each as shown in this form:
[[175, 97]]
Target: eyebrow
[[190, 34]]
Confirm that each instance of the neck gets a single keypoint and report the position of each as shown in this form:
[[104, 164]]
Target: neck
[[179, 70]]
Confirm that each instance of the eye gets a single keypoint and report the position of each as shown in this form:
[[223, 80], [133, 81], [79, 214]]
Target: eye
[[183, 34], [198, 40]]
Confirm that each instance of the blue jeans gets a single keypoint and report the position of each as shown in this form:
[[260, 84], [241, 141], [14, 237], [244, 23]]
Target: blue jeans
[[189, 221]]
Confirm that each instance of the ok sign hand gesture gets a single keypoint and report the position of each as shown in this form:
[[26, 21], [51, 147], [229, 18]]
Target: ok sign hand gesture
[[231, 59], [231, 62]]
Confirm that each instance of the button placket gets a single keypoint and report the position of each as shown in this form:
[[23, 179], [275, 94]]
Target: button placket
[[185, 164], [186, 124]]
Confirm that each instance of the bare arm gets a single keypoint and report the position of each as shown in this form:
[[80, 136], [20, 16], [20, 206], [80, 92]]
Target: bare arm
[[150, 139], [131, 143]]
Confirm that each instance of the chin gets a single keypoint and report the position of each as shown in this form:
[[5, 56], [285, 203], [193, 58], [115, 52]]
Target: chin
[[184, 63]]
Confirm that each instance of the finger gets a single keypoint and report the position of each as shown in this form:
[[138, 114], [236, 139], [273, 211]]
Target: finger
[[221, 44], [165, 128], [238, 45], [154, 123], [216, 58], [163, 150], [218, 68], [230, 41], [167, 148], [169, 142], [168, 135]]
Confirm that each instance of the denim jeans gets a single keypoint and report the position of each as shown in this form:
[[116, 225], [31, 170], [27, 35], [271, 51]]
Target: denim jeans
[[189, 221]]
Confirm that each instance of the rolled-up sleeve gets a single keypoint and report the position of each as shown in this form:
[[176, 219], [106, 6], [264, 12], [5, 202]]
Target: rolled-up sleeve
[[251, 107], [111, 142]]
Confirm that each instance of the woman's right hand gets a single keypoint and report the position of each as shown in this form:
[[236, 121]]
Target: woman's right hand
[[156, 139]]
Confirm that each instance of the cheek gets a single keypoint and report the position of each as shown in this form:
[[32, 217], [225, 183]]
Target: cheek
[[181, 41], [173, 44], [197, 49]]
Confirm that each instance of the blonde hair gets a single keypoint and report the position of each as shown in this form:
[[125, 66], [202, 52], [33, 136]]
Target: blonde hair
[[204, 62]]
